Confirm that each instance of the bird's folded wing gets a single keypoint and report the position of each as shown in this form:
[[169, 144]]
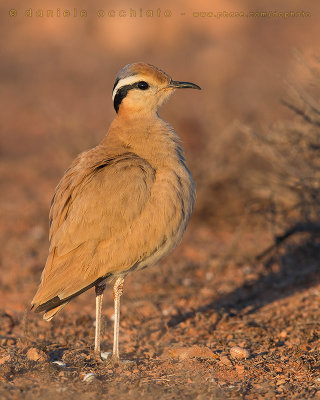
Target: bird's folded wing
[[92, 214], [100, 202]]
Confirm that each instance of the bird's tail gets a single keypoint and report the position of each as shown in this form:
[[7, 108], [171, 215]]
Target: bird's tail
[[48, 315]]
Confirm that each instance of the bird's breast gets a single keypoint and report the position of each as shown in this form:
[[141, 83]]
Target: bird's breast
[[169, 210]]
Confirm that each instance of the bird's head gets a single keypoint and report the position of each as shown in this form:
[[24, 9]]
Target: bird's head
[[142, 87]]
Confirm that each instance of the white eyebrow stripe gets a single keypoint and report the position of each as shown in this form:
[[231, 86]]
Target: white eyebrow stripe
[[125, 81]]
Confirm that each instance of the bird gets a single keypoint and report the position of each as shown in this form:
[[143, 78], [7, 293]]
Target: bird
[[122, 205]]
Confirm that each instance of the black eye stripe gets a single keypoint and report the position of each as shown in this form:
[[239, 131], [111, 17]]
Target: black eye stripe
[[123, 91], [120, 95]]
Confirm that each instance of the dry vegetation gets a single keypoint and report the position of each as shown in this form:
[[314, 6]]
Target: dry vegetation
[[291, 152], [255, 159]]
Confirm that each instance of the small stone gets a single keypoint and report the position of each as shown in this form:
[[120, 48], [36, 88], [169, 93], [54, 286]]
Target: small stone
[[5, 359], [11, 341], [214, 317], [209, 276], [187, 282], [225, 361], [239, 352], [89, 377], [105, 355], [59, 363], [195, 351], [36, 355]]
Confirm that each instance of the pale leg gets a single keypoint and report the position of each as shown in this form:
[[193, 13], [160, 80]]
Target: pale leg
[[99, 297], [117, 292]]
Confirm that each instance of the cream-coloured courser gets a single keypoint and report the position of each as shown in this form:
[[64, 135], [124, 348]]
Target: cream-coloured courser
[[122, 205]]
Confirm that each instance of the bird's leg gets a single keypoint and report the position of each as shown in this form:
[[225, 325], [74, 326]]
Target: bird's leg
[[99, 296], [117, 292]]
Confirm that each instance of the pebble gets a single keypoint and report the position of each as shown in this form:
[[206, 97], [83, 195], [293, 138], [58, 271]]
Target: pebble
[[283, 334], [36, 355], [209, 276], [192, 352], [89, 377], [214, 317], [105, 355], [187, 282], [239, 352], [59, 363], [225, 361], [167, 311]]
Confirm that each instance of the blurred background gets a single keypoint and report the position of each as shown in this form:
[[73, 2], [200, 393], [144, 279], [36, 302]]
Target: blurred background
[[247, 270], [57, 74]]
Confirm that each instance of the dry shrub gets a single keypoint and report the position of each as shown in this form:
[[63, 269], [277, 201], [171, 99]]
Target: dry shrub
[[274, 174], [292, 151]]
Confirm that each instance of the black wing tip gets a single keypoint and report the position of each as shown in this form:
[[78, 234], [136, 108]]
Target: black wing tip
[[49, 305], [56, 301]]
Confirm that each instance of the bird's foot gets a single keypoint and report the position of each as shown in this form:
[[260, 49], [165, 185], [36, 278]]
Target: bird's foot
[[99, 357], [106, 356], [116, 361]]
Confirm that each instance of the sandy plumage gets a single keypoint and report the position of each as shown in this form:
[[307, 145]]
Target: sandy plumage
[[122, 205]]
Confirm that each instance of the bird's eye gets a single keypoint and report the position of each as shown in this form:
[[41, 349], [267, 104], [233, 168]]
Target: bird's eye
[[143, 85]]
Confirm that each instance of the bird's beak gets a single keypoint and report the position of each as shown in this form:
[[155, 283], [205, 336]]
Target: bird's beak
[[182, 85]]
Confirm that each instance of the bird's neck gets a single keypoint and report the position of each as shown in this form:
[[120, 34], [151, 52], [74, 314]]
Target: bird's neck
[[145, 134]]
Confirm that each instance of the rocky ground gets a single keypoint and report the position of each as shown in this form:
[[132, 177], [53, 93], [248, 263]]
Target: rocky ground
[[205, 323], [210, 321]]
